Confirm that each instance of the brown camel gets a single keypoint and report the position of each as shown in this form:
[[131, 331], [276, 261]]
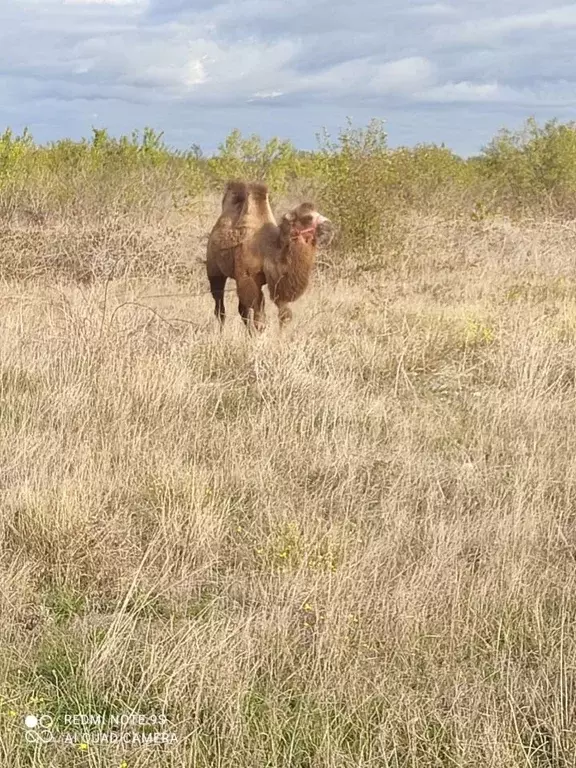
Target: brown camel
[[248, 246]]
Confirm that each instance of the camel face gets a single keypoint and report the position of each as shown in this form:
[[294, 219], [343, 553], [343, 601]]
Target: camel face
[[324, 231], [305, 224]]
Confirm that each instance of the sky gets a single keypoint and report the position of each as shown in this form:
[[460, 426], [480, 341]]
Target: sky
[[196, 69]]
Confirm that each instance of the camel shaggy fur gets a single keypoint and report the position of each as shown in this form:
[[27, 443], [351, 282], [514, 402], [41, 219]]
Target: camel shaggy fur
[[247, 245]]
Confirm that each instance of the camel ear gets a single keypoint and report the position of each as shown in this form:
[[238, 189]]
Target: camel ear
[[285, 227], [286, 222]]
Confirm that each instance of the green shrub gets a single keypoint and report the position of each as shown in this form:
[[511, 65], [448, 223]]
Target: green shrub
[[359, 181], [274, 162], [355, 174], [533, 168]]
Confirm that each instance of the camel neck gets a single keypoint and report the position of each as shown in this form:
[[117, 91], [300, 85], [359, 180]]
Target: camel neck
[[295, 250]]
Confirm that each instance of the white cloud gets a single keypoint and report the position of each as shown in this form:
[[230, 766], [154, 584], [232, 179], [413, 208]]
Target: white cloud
[[142, 3], [493, 27], [559, 94], [364, 77], [403, 75], [431, 9], [267, 95], [464, 92]]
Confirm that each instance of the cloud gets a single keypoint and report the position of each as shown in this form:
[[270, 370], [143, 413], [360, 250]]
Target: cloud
[[465, 92], [105, 2], [198, 68], [498, 27]]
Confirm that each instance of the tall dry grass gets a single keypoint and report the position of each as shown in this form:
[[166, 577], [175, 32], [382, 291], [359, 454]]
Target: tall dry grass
[[351, 546]]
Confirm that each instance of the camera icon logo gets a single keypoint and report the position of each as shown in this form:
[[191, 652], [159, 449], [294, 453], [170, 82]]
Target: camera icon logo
[[38, 729]]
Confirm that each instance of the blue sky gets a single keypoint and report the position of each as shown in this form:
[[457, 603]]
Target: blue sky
[[196, 69]]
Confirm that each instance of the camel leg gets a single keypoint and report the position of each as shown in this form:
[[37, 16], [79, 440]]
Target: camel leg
[[217, 285], [284, 312], [250, 297], [247, 315]]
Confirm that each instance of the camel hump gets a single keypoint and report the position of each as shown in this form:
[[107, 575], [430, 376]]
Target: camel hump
[[236, 187], [235, 197], [258, 209], [258, 191], [243, 197]]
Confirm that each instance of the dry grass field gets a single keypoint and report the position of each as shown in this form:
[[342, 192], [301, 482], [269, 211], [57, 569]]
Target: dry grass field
[[349, 546]]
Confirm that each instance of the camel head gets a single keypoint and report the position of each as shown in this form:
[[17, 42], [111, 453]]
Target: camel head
[[304, 224]]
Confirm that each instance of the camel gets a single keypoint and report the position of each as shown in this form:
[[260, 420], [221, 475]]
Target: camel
[[247, 245]]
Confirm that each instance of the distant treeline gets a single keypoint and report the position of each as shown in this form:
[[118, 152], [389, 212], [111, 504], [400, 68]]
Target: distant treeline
[[527, 172]]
